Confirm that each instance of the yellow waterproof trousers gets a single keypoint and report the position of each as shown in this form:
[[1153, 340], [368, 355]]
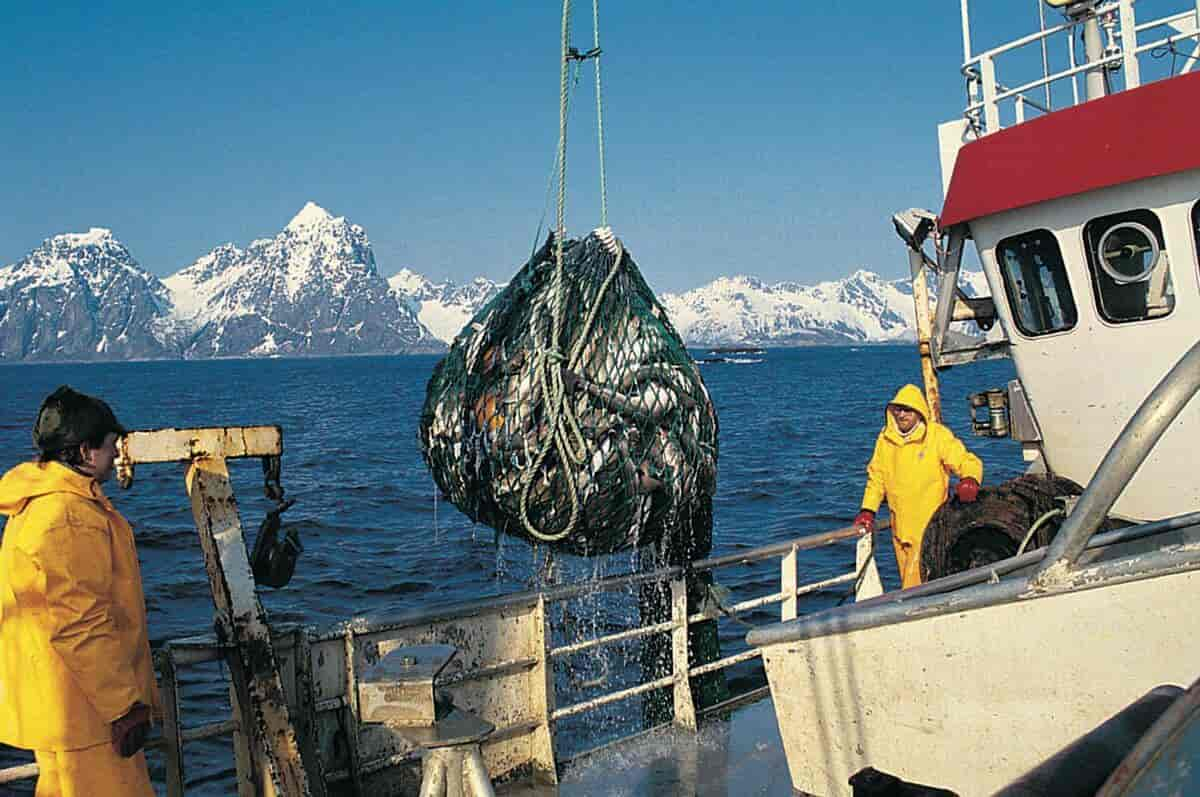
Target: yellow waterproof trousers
[[92, 772], [908, 562]]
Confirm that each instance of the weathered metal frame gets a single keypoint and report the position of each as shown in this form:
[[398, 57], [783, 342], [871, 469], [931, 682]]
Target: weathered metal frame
[[272, 763]]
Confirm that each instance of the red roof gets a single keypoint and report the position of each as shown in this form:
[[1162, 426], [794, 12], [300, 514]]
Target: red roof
[[1131, 135]]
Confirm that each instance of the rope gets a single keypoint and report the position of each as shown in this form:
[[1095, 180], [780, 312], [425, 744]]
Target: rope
[[550, 358], [565, 438], [1037, 524], [599, 114]]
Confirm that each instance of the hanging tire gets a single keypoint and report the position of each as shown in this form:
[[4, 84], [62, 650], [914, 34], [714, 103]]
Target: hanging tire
[[962, 536]]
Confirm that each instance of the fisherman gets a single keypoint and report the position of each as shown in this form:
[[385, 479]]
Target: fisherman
[[76, 678], [909, 468]]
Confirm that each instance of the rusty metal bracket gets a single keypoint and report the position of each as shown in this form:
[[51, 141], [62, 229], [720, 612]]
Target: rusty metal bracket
[[241, 622]]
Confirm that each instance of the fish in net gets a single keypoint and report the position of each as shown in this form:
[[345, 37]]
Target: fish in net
[[568, 411]]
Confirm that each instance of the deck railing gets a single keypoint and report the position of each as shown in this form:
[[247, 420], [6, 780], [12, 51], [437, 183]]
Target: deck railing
[[310, 704], [993, 104]]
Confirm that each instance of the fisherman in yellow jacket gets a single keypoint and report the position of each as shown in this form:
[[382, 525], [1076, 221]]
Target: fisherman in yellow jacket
[[76, 678], [910, 469]]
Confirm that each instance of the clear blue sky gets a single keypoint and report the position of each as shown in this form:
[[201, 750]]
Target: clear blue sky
[[770, 138]]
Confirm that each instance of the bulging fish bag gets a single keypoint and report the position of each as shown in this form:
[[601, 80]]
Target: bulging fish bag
[[568, 411]]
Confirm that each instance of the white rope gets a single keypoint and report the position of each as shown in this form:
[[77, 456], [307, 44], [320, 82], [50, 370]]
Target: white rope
[[599, 114]]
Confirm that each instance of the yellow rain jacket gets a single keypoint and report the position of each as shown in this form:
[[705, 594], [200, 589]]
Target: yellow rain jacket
[[912, 474], [74, 650]]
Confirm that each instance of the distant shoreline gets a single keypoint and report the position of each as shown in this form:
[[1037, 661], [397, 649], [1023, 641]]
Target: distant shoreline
[[690, 346]]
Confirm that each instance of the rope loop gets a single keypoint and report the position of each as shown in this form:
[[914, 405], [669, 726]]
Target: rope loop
[[564, 437]]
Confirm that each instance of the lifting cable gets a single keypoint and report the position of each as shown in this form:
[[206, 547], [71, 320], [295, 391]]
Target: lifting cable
[[565, 437]]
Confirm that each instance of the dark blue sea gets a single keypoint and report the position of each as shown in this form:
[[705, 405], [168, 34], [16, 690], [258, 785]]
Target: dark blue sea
[[796, 432]]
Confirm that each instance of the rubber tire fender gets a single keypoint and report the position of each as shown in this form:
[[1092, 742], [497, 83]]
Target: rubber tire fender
[[992, 527]]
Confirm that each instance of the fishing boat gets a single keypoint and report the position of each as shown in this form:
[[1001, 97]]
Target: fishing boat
[[1085, 219], [1084, 211]]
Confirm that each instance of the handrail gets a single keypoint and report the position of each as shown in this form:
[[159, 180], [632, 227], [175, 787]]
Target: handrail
[[986, 94], [1124, 457], [199, 649]]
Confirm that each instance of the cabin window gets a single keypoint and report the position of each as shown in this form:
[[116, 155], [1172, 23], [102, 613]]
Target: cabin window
[[1035, 280], [1131, 273]]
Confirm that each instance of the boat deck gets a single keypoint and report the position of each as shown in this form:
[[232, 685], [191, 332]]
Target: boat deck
[[738, 753]]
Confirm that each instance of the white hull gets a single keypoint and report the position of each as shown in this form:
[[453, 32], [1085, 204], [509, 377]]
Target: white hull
[[970, 700]]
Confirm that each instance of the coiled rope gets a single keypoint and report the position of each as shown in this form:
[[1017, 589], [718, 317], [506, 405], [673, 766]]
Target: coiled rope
[[565, 438]]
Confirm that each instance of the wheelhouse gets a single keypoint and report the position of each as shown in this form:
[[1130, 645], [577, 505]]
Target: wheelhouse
[[1086, 222]]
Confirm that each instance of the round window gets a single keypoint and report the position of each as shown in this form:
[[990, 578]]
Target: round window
[[1128, 252]]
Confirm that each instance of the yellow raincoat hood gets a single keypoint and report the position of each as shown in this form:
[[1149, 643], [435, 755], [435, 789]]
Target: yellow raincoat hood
[[74, 650], [912, 474], [32, 480], [907, 396]]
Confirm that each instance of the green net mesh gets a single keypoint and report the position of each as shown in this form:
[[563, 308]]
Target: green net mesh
[[591, 437]]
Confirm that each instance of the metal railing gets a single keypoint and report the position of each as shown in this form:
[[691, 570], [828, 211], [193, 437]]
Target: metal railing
[[1124, 41], [295, 645]]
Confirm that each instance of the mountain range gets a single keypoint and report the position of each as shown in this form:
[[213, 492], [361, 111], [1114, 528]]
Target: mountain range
[[315, 289]]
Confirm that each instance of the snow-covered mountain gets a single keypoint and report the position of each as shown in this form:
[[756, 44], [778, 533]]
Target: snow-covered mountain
[[861, 308], [315, 289], [445, 308], [82, 296], [312, 289]]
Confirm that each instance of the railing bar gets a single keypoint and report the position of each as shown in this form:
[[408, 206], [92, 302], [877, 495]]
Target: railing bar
[[557, 594], [209, 730], [1031, 38], [22, 772], [1168, 40], [779, 549], [728, 661], [1156, 23], [774, 597], [737, 608], [603, 700], [740, 608], [1066, 73], [633, 633]]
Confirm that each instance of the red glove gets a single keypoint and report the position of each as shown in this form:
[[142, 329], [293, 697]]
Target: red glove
[[129, 732], [865, 520], [967, 490]]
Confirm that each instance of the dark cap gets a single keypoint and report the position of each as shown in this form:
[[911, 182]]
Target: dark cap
[[68, 418]]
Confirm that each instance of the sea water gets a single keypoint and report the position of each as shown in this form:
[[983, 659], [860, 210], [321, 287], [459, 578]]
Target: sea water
[[797, 430]]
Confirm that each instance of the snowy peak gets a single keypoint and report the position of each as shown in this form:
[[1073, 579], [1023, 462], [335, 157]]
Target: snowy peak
[[444, 308], [310, 216], [96, 236], [860, 308], [82, 296], [312, 289]]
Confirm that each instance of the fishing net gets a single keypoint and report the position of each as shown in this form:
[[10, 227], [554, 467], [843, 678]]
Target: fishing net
[[568, 411]]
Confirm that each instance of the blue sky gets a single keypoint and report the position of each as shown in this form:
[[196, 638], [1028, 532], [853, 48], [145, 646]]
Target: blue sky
[[769, 138]]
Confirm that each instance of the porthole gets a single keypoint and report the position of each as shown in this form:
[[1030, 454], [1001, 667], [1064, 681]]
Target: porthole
[[1128, 252], [1130, 266]]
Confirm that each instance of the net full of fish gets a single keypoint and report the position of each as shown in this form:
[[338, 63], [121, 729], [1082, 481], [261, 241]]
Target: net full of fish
[[594, 438]]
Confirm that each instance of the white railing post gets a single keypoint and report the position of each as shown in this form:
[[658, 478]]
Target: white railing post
[[787, 585], [1020, 105], [543, 696], [685, 710], [991, 111], [869, 584], [1129, 58]]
